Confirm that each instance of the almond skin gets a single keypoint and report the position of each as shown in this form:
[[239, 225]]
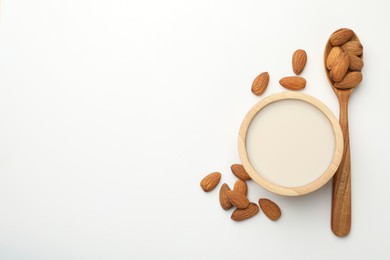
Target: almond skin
[[223, 200], [293, 82], [242, 214], [340, 68], [209, 182], [341, 36], [241, 187], [270, 209], [353, 47], [260, 83], [355, 63], [238, 200], [240, 172], [333, 56], [351, 80], [299, 61]]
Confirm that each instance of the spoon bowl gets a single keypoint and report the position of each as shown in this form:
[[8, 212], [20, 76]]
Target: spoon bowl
[[327, 50]]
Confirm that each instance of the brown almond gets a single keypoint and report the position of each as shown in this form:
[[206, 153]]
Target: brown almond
[[299, 61], [293, 82], [341, 36], [355, 63], [240, 172], [353, 47], [241, 187], [260, 83], [209, 182], [340, 68], [270, 209], [351, 80], [238, 200], [333, 56], [242, 214], [223, 200]]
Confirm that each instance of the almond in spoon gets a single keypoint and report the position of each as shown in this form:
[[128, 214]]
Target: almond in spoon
[[351, 80], [355, 63], [341, 36], [333, 57], [340, 68], [353, 47]]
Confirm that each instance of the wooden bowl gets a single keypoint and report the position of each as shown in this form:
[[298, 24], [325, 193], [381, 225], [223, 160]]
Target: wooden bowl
[[290, 143]]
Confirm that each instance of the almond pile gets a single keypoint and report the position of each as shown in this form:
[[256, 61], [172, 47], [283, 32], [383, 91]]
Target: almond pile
[[298, 62], [299, 59], [237, 197], [344, 60]]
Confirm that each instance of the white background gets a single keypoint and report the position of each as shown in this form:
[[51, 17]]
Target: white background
[[111, 112]]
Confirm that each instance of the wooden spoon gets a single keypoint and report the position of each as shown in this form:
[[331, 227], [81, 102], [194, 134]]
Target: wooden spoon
[[341, 198]]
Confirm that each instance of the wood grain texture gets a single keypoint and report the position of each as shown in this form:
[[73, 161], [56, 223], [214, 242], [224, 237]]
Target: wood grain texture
[[341, 198], [341, 195]]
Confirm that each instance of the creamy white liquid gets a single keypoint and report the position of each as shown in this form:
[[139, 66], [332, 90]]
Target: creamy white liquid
[[290, 143]]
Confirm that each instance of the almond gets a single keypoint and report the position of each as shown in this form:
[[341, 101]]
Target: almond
[[238, 200], [351, 80], [341, 36], [240, 172], [242, 214], [333, 56], [340, 68], [270, 209], [355, 63], [353, 47], [293, 82], [209, 182], [260, 83], [223, 200], [241, 187], [299, 61]]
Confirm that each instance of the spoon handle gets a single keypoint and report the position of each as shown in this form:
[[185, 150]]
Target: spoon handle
[[341, 200]]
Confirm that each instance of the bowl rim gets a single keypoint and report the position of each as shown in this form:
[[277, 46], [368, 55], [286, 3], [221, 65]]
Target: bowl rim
[[278, 189]]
